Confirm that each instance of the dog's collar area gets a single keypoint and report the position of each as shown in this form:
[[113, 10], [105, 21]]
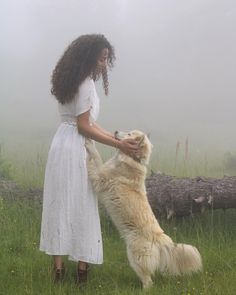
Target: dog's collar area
[[138, 160]]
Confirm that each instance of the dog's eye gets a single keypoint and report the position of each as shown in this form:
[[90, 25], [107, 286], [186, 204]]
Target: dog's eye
[[129, 134]]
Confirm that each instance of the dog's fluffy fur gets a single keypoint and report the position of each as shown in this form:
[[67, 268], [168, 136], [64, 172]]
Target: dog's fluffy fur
[[120, 186]]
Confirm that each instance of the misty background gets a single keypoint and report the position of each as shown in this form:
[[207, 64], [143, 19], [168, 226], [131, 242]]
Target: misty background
[[174, 75]]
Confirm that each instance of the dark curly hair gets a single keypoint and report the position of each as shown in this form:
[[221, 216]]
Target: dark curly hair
[[77, 63]]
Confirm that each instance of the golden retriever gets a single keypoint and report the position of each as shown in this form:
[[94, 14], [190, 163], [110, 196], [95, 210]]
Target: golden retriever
[[120, 186]]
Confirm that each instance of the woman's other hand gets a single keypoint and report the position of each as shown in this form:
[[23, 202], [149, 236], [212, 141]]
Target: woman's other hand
[[128, 146]]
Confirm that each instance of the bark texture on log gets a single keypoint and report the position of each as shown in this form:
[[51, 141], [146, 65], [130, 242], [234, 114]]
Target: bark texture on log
[[12, 191], [170, 196]]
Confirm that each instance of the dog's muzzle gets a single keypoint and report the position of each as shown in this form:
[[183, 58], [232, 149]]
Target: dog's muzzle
[[116, 134]]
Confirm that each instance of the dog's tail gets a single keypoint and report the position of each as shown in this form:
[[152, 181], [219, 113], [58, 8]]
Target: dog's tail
[[178, 259]]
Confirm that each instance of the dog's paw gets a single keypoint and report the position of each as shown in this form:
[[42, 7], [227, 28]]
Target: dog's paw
[[89, 144], [147, 284]]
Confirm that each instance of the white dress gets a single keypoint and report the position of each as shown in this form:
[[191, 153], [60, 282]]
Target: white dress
[[70, 218]]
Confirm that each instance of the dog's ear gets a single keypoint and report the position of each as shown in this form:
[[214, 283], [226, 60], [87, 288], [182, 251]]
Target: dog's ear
[[140, 140]]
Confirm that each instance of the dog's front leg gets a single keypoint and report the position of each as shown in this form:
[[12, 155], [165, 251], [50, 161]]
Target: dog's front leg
[[94, 165], [93, 153]]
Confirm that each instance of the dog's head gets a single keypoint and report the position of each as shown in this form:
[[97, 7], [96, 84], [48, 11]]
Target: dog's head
[[144, 144]]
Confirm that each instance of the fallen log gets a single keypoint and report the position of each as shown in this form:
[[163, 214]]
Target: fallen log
[[171, 196], [12, 191], [168, 195]]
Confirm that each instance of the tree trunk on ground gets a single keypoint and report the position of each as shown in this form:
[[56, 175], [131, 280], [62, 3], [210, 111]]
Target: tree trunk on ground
[[170, 196], [10, 190]]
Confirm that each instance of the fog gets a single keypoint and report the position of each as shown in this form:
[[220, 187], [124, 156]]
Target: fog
[[174, 75]]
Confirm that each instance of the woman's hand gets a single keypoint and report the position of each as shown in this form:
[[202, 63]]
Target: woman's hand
[[128, 146]]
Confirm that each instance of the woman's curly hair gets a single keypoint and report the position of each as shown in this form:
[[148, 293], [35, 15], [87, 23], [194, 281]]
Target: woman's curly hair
[[77, 63]]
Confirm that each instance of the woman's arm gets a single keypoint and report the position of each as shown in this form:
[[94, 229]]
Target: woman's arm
[[103, 130], [128, 146]]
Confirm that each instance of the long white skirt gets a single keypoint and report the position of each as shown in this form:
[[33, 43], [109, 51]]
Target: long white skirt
[[70, 219]]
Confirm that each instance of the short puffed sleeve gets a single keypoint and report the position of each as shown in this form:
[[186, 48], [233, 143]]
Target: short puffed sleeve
[[83, 97]]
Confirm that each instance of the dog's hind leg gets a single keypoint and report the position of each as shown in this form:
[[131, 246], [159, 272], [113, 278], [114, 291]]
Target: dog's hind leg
[[142, 271]]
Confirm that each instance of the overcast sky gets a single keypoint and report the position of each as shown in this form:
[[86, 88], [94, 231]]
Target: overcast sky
[[174, 75]]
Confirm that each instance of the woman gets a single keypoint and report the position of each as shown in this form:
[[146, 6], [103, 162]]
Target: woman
[[70, 219]]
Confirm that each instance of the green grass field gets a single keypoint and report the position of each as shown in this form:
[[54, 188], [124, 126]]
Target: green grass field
[[25, 270]]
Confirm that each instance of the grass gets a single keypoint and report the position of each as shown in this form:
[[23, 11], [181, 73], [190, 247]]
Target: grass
[[25, 270]]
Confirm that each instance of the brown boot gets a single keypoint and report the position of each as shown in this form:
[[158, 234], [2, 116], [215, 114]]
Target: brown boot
[[59, 274], [82, 276]]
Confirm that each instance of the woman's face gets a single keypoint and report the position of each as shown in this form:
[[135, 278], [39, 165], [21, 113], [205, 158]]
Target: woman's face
[[102, 60]]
